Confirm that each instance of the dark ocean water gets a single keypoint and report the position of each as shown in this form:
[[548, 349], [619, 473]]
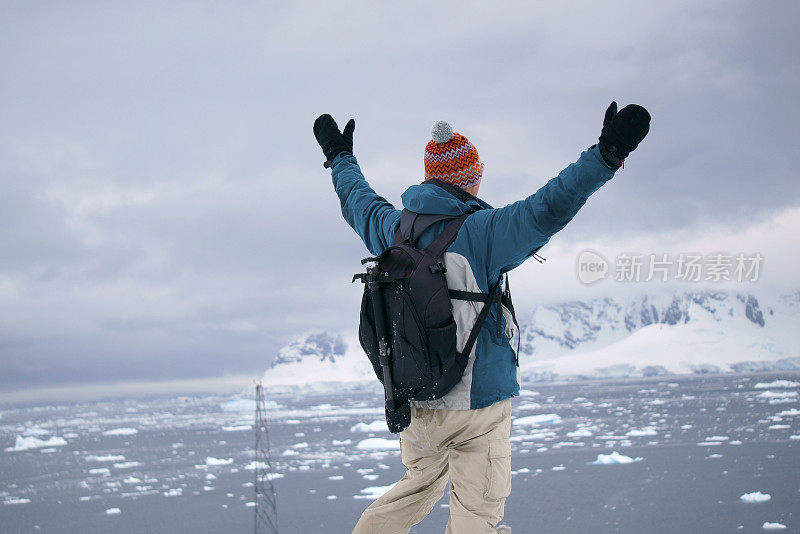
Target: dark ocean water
[[703, 442]]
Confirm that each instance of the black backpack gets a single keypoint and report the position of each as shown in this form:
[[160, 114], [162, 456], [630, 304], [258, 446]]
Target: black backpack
[[407, 328]]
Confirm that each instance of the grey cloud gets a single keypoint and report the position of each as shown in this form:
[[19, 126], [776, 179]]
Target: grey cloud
[[163, 209]]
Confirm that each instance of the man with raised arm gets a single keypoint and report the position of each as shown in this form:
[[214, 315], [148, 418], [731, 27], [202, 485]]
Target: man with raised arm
[[463, 437]]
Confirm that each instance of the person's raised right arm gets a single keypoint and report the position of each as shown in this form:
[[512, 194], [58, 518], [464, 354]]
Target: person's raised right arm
[[372, 217]]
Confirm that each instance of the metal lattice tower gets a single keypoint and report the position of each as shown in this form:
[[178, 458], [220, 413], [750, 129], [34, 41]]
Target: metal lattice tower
[[266, 520]]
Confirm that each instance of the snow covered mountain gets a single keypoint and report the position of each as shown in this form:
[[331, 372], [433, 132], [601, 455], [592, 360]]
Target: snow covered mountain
[[687, 332], [702, 331], [320, 360]]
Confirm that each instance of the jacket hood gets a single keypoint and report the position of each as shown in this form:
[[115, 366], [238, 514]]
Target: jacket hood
[[440, 198]]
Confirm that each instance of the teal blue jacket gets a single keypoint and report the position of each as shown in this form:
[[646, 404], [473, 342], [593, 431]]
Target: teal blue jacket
[[491, 241]]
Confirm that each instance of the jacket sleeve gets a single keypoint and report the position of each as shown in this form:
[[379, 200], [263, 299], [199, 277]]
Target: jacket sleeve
[[373, 218], [513, 232]]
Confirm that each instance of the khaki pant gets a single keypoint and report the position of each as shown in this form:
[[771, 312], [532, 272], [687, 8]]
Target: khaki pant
[[471, 448]]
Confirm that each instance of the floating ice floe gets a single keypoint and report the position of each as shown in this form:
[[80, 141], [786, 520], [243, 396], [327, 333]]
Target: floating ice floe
[[236, 428], [558, 467], [113, 511], [795, 436], [539, 419], [252, 466], [646, 431], [120, 432], [336, 477], [15, 500], [372, 492], [773, 526], [561, 444], [580, 433], [377, 444], [778, 427], [239, 405], [100, 471], [777, 384], [777, 395], [127, 465], [105, 458], [714, 440], [788, 413], [379, 425], [210, 460], [614, 458], [27, 443], [755, 497], [174, 492], [35, 431]]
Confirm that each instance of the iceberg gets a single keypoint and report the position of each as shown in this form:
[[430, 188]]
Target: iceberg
[[614, 458]]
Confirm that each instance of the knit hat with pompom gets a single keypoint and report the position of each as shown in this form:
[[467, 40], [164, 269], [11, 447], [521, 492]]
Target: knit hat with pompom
[[451, 158]]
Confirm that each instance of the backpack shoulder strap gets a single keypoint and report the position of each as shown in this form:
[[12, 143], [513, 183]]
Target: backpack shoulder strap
[[495, 295], [413, 224], [446, 238]]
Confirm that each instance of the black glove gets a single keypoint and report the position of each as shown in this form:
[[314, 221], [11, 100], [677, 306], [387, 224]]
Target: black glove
[[331, 140], [622, 132]]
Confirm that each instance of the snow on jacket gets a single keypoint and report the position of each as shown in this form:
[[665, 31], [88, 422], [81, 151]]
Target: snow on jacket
[[490, 242]]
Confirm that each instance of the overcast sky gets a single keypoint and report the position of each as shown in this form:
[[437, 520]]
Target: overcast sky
[[164, 212]]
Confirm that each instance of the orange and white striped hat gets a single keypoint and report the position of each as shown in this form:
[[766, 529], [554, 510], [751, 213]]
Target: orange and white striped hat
[[451, 158]]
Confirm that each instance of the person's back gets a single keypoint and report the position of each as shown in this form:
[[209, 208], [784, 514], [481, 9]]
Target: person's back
[[463, 436]]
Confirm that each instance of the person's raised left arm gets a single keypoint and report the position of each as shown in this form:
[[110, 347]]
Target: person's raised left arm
[[513, 232]]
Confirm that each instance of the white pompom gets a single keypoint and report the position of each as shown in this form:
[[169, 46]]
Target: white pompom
[[441, 132]]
